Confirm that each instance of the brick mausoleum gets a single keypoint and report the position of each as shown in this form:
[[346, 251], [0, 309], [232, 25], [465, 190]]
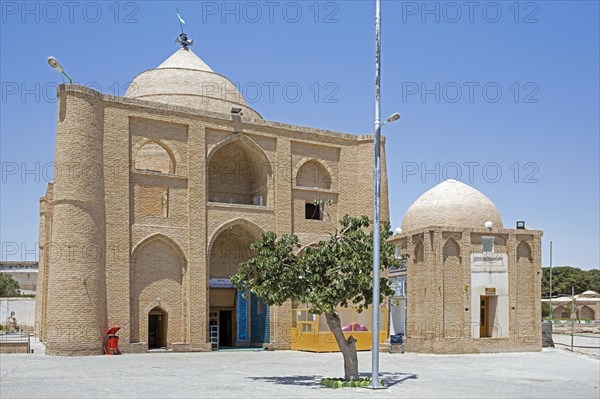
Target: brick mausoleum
[[469, 284], [156, 199]]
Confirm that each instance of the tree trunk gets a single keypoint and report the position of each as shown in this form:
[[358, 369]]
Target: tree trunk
[[347, 346]]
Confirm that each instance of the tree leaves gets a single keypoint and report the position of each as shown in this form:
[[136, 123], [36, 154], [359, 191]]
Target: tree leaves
[[335, 273], [9, 287], [565, 277]]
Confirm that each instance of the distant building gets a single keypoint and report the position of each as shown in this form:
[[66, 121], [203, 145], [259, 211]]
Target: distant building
[[469, 285], [25, 273], [587, 306]]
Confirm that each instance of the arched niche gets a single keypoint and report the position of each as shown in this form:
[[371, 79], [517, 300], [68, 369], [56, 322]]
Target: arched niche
[[230, 246], [451, 249], [523, 251], [560, 312], [157, 272], [312, 174], [586, 312], [154, 157], [419, 252], [453, 288], [239, 172]]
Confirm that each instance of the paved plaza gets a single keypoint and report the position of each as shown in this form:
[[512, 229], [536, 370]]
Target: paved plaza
[[552, 373]]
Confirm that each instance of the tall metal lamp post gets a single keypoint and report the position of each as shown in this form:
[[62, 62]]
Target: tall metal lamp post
[[550, 281], [376, 201]]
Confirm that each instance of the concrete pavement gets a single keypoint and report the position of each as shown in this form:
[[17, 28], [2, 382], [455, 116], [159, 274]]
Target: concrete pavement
[[552, 373]]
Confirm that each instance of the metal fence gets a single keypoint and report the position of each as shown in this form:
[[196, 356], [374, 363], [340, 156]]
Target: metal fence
[[16, 338]]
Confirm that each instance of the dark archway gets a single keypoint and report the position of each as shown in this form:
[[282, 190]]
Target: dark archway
[[157, 328]]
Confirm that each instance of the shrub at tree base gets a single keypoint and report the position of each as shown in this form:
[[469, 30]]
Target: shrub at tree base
[[341, 383]]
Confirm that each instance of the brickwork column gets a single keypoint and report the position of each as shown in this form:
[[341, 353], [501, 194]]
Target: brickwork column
[[198, 241], [116, 181], [280, 316], [512, 286], [76, 311], [465, 252]]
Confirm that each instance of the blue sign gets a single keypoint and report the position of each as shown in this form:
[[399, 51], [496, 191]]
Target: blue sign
[[242, 317]]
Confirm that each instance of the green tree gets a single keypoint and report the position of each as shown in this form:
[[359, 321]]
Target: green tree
[[335, 273], [546, 309], [9, 287], [565, 277]]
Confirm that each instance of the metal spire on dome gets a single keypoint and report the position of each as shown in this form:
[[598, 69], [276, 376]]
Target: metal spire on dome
[[182, 38]]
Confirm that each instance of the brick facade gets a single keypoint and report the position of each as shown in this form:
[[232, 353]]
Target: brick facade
[[154, 200]]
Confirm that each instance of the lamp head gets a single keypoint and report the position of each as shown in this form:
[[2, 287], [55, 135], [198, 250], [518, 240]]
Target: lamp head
[[393, 118], [55, 64], [488, 225], [398, 230]]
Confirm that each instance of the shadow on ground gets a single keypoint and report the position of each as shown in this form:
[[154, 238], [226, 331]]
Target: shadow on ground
[[390, 379]]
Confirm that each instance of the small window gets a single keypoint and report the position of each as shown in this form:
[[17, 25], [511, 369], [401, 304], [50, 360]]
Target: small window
[[398, 252], [313, 212], [488, 244]]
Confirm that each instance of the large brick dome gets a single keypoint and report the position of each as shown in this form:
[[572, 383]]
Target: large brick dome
[[184, 79], [451, 204]]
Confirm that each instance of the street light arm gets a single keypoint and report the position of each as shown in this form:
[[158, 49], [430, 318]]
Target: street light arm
[[70, 81]]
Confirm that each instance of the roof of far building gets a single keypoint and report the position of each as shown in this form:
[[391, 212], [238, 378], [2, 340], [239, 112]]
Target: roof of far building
[[454, 204], [589, 293], [586, 296], [19, 267], [185, 80]]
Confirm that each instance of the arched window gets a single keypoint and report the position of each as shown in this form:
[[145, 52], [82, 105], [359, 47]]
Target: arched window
[[153, 157], [314, 175]]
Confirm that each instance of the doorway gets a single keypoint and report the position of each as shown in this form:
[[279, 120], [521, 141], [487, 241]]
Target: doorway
[[397, 316], [484, 312], [157, 328], [225, 328]]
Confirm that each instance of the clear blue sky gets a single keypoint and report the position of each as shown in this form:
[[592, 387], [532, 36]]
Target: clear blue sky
[[444, 66]]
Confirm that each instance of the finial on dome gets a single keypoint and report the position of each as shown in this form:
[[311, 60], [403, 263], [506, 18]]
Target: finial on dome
[[184, 41], [182, 38]]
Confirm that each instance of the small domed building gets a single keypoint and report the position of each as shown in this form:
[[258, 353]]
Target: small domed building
[[156, 199], [468, 284]]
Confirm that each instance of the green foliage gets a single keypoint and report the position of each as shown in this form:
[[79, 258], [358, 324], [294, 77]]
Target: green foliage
[[546, 309], [9, 287], [565, 277], [335, 272], [341, 383]]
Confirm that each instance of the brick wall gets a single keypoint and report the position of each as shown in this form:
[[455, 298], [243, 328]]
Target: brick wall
[[439, 285], [153, 214]]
